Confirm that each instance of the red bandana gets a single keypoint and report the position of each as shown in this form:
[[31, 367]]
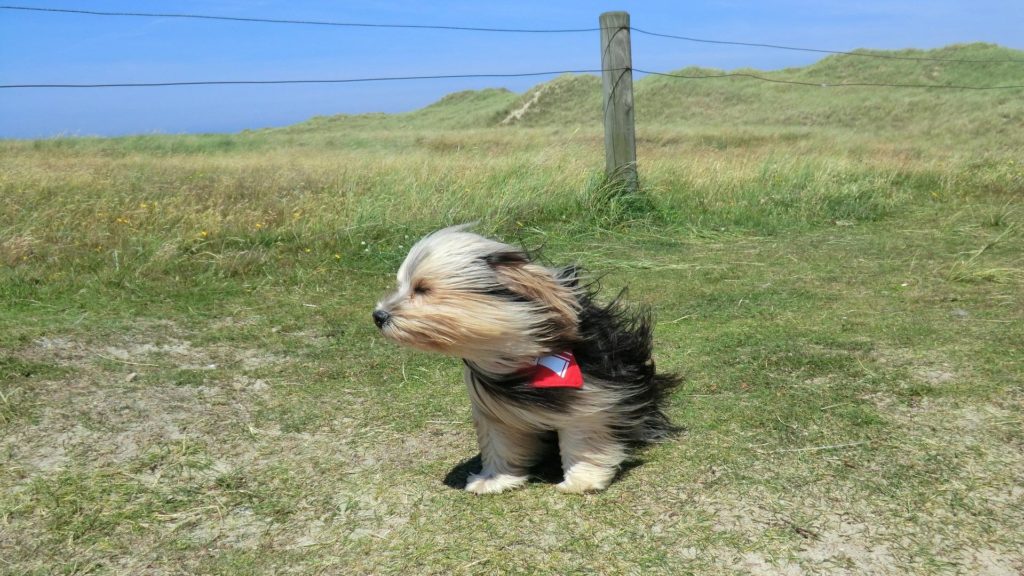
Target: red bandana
[[557, 371]]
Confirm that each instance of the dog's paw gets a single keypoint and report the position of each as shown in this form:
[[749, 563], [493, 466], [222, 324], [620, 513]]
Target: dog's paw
[[580, 484], [493, 483]]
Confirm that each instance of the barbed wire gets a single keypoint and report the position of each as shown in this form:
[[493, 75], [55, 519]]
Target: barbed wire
[[507, 30], [513, 75]]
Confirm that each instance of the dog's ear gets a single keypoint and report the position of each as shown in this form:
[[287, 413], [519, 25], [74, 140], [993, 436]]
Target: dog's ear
[[535, 283]]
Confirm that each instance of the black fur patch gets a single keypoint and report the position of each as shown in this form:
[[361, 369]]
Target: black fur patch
[[616, 344]]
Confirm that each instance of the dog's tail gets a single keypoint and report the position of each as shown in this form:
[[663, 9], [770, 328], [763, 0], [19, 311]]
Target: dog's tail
[[653, 425], [616, 345]]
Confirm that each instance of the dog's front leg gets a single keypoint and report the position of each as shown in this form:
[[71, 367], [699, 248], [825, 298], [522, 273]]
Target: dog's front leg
[[507, 454], [590, 457]]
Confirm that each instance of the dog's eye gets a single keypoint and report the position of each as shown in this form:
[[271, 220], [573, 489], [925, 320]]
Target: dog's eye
[[421, 290]]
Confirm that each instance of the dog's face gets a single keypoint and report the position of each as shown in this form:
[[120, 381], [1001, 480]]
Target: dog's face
[[467, 296]]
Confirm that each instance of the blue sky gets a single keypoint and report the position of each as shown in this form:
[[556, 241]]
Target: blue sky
[[55, 48]]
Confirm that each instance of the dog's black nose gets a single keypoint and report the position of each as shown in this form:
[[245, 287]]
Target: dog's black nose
[[380, 318]]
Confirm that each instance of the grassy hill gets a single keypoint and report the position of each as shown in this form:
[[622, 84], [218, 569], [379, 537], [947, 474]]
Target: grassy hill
[[466, 109], [575, 100]]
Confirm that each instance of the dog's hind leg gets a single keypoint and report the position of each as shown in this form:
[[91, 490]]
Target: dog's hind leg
[[506, 452], [590, 458]]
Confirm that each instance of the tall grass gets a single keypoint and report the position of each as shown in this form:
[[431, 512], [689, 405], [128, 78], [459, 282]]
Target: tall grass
[[156, 201], [738, 156], [179, 210]]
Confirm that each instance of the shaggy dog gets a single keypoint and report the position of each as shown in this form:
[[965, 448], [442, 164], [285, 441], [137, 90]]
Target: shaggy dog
[[540, 356]]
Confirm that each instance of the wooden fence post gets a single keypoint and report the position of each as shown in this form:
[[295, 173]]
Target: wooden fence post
[[617, 77]]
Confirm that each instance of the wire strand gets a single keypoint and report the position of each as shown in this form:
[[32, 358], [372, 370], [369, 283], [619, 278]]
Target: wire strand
[[822, 51], [511, 75], [505, 30], [301, 81], [305, 22]]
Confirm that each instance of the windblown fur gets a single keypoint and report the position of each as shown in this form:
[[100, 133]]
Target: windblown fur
[[491, 305]]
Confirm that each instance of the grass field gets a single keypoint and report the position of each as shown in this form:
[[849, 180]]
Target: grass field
[[190, 381]]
